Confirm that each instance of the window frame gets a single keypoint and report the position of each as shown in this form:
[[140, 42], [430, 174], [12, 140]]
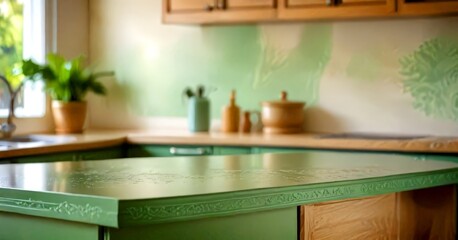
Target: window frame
[[38, 40]]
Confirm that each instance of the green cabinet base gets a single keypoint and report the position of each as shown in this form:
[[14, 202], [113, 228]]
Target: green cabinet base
[[274, 224], [21, 227]]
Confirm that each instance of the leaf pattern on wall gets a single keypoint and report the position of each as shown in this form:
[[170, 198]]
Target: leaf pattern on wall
[[294, 57], [431, 78], [272, 58]]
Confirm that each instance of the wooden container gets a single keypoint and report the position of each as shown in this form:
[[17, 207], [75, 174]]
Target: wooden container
[[230, 116], [283, 116]]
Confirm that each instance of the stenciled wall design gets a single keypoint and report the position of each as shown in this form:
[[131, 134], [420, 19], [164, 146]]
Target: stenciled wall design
[[251, 59], [431, 77], [302, 58], [382, 75]]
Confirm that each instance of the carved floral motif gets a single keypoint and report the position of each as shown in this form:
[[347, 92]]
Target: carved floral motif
[[65, 208], [160, 212]]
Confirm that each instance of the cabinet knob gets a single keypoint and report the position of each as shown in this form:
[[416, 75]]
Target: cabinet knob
[[221, 4], [209, 8]]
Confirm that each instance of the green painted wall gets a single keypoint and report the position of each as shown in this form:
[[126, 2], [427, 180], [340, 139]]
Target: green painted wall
[[379, 75], [223, 58]]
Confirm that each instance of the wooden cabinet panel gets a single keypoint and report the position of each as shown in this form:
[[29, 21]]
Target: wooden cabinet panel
[[218, 11], [250, 3], [190, 5], [427, 7], [367, 218], [307, 3], [428, 213], [246, 11], [361, 2], [418, 214], [334, 9]]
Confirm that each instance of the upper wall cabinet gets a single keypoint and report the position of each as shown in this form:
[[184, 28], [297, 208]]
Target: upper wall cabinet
[[427, 7], [334, 9], [243, 11], [218, 11]]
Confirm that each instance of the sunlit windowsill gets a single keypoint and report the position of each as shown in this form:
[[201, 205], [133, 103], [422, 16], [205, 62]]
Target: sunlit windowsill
[[19, 113]]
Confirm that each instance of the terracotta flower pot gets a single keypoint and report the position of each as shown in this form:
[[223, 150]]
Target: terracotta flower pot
[[69, 117]]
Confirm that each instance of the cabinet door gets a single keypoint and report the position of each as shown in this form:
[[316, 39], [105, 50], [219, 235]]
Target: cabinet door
[[307, 3], [232, 4], [191, 5], [55, 157], [99, 154], [18, 226], [231, 150], [334, 9], [218, 11], [427, 7], [167, 151]]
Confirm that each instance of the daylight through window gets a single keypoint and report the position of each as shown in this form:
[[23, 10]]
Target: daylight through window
[[22, 36]]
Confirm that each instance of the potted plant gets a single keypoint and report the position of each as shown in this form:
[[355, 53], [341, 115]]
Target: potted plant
[[67, 82]]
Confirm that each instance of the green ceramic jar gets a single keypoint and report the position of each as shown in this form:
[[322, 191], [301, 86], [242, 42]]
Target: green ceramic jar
[[198, 114]]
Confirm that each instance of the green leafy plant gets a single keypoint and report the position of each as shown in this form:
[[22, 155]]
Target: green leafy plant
[[200, 92], [11, 28], [189, 93], [67, 81]]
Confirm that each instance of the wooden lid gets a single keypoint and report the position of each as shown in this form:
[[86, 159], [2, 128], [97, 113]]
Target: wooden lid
[[283, 102]]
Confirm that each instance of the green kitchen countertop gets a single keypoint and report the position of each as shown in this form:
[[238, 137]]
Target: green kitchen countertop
[[136, 191]]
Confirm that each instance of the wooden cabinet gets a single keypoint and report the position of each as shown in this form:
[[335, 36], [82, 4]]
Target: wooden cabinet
[[427, 7], [218, 11], [418, 214], [183, 6], [241, 11], [334, 9]]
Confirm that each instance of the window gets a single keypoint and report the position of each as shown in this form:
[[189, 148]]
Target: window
[[22, 36]]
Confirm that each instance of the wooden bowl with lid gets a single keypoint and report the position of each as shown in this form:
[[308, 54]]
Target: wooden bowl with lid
[[282, 116]]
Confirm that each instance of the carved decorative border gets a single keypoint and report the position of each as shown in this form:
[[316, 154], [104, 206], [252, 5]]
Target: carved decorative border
[[64, 208], [224, 204]]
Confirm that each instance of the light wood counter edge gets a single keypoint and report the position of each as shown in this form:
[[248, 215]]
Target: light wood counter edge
[[431, 145], [102, 139], [78, 145]]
